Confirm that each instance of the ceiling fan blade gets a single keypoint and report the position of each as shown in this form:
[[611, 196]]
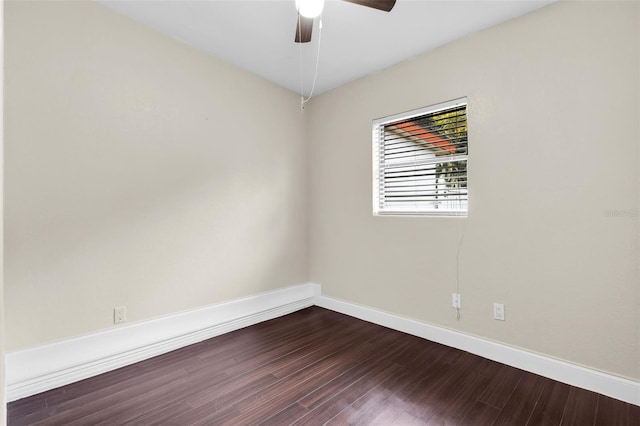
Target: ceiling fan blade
[[304, 26], [385, 5]]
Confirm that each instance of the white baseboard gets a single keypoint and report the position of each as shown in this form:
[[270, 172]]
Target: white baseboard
[[49, 366], [565, 372], [45, 367]]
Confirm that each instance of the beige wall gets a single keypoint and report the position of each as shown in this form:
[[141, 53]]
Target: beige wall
[[553, 139], [3, 414], [139, 172]]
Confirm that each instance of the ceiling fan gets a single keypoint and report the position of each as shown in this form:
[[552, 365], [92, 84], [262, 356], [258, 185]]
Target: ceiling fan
[[309, 9]]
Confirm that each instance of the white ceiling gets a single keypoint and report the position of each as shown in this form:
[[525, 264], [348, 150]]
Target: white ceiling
[[258, 35]]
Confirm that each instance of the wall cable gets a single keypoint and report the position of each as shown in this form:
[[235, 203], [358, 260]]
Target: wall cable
[[458, 271], [300, 63], [315, 76]]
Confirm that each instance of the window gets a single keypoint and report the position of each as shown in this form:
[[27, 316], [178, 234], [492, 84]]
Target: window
[[420, 161]]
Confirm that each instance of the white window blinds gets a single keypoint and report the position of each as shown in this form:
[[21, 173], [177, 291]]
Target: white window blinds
[[420, 161]]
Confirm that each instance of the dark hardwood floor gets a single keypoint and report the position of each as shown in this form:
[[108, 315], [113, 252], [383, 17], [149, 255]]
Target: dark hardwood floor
[[318, 367]]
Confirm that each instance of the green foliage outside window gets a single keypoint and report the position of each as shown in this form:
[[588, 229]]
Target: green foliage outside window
[[453, 126]]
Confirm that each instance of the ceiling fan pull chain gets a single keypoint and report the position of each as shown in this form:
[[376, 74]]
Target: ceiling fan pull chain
[[315, 75]]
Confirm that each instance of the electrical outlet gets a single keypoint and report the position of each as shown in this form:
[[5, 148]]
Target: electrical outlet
[[119, 314], [455, 300], [498, 311]]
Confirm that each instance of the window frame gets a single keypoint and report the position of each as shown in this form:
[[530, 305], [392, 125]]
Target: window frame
[[378, 126]]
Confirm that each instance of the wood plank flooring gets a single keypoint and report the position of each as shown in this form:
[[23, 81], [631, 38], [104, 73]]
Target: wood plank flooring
[[316, 367]]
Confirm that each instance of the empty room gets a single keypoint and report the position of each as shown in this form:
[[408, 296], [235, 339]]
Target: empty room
[[375, 212]]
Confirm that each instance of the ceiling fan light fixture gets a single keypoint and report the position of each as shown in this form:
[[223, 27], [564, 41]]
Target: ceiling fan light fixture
[[310, 8]]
